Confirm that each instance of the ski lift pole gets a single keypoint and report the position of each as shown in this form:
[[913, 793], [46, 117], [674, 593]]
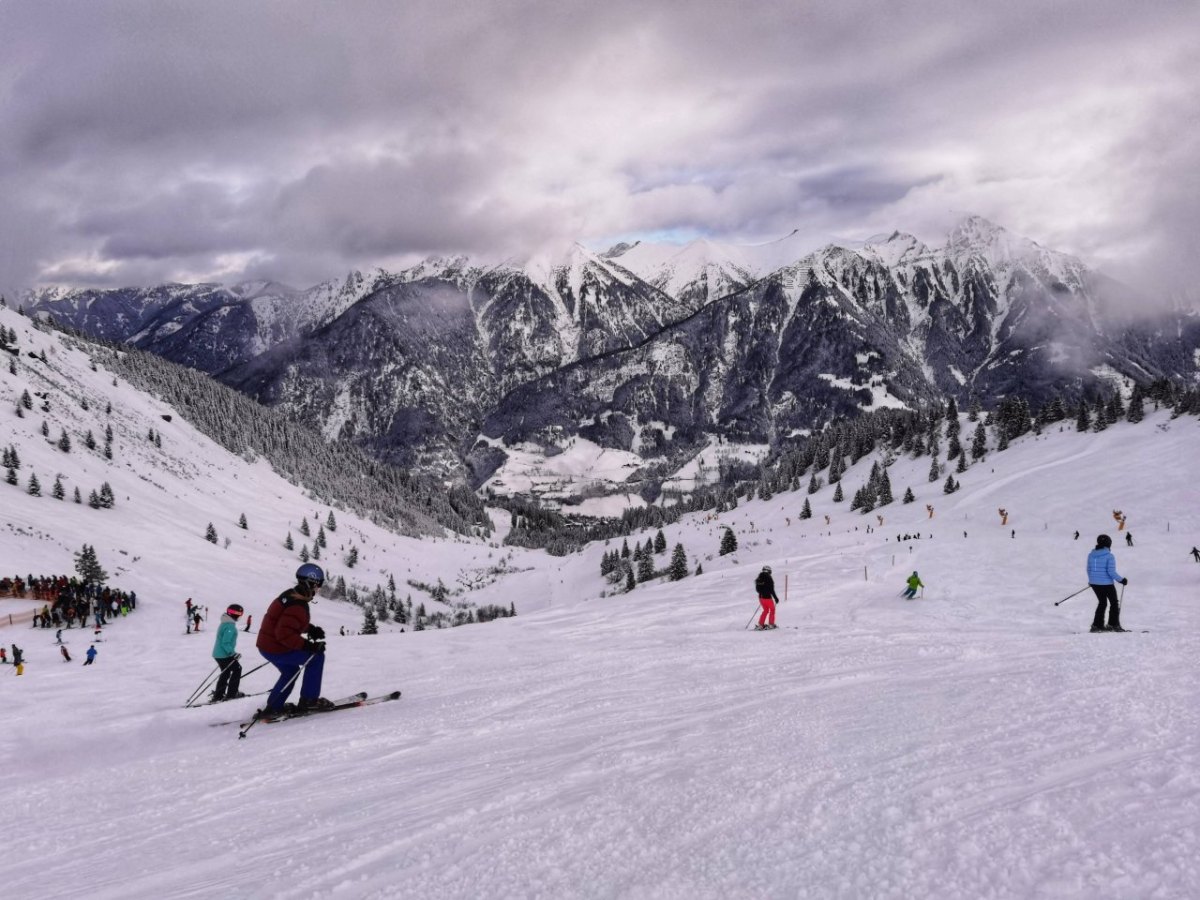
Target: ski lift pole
[[1076, 594]]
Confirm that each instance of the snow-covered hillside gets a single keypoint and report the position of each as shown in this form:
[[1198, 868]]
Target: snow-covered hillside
[[969, 743]]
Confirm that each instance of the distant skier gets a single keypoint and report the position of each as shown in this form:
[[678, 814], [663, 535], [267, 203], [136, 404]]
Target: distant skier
[[289, 641], [1129, 539], [1196, 554], [1077, 535], [226, 655], [66, 654], [196, 619], [1102, 578], [764, 585], [91, 655], [914, 582]]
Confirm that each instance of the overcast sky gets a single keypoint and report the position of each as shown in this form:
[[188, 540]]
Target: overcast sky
[[149, 141]]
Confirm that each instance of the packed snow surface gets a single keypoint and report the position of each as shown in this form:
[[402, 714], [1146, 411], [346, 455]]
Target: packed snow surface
[[974, 742]]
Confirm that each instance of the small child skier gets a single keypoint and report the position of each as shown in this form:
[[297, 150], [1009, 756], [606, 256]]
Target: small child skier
[[226, 655]]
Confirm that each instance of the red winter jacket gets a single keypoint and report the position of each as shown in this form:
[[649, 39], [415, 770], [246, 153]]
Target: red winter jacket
[[282, 630]]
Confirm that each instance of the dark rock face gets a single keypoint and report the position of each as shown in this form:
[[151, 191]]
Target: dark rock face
[[418, 365]]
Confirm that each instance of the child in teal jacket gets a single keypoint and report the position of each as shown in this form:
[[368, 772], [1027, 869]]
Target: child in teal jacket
[[226, 655]]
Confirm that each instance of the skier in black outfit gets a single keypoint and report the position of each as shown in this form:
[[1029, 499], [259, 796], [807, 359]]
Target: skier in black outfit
[[764, 584], [1196, 554]]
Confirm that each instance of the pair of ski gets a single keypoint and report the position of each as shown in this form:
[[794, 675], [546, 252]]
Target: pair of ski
[[351, 702]]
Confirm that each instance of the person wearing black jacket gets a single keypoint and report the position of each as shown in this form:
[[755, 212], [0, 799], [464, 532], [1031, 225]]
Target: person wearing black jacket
[[764, 584]]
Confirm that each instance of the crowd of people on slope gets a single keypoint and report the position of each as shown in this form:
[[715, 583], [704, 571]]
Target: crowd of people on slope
[[69, 603]]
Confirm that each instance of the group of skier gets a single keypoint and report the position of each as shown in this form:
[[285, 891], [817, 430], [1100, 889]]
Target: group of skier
[[288, 640], [1101, 573]]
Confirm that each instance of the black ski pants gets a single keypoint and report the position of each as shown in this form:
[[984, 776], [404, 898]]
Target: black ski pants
[[231, 677], [1106, 595]]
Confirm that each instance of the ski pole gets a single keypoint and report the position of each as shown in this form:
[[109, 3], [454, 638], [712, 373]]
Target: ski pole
[[200, 690], [255, 669], [287, 687], [1076, 594], [752, 615]]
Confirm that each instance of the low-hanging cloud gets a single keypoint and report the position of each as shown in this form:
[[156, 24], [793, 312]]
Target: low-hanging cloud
[[149, 141]]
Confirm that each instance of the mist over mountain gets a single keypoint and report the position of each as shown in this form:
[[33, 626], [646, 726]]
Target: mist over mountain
[[653, 349]]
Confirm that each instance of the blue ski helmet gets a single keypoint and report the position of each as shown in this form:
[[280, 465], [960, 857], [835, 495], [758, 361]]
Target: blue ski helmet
[[311, 575]]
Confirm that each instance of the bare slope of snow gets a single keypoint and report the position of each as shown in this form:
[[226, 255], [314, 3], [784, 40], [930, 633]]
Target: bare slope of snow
[[970, 743]]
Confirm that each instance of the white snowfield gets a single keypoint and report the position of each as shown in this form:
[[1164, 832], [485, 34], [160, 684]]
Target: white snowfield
[[971, 743]]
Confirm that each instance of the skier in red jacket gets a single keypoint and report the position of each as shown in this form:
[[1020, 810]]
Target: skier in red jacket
[[289, 641]]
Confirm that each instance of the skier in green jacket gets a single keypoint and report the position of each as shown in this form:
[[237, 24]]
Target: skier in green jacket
[[913, 583], [226, 655]]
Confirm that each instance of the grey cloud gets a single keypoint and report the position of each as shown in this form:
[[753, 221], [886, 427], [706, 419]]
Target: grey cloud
[[149, 140]]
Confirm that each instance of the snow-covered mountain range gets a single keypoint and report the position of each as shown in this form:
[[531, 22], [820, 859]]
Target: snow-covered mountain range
[[973, 742], [653, 349]]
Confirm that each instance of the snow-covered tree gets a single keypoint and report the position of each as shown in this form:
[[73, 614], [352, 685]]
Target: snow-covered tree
[[678, 569], [57, 492], [369, 625], [908, 496], [660, 542], [729, 542], [210, 533], [806, 510], [242, 523], [87, 565], [34, 489]]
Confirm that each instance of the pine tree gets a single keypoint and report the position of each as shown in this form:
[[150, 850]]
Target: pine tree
[[26, 400], [288, 543], [838, 496], [625, 549], [814, 484], [107, 500], [57, 491], [979, 442], [35, 488], [64, 442], [885, 488], [1083, 421], [630, 584], [242, 523], [1136, 410], [678, 569], [89, 440], [45, 429], [94, 500], [321, 540], [78, 497], [210, 533], [88, 566], [352, 557], [660, 542], [806, 510], [729, 542], [934, 471], [369, 626], [955, 448], [699, 568], [304, 557], [908, 496], [304, 529], [331, 522], [645, 568], [316, 551], [949, 487], [962, 463]]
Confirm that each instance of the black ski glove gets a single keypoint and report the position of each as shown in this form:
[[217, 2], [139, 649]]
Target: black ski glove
[[314, 647], [1124, 581], [316, 633]]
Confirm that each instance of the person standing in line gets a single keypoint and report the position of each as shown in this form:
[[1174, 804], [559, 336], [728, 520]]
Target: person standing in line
[[226, 655], [1102, 579], [764, 585], [914, 582], [289, 641], [91, 655]]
